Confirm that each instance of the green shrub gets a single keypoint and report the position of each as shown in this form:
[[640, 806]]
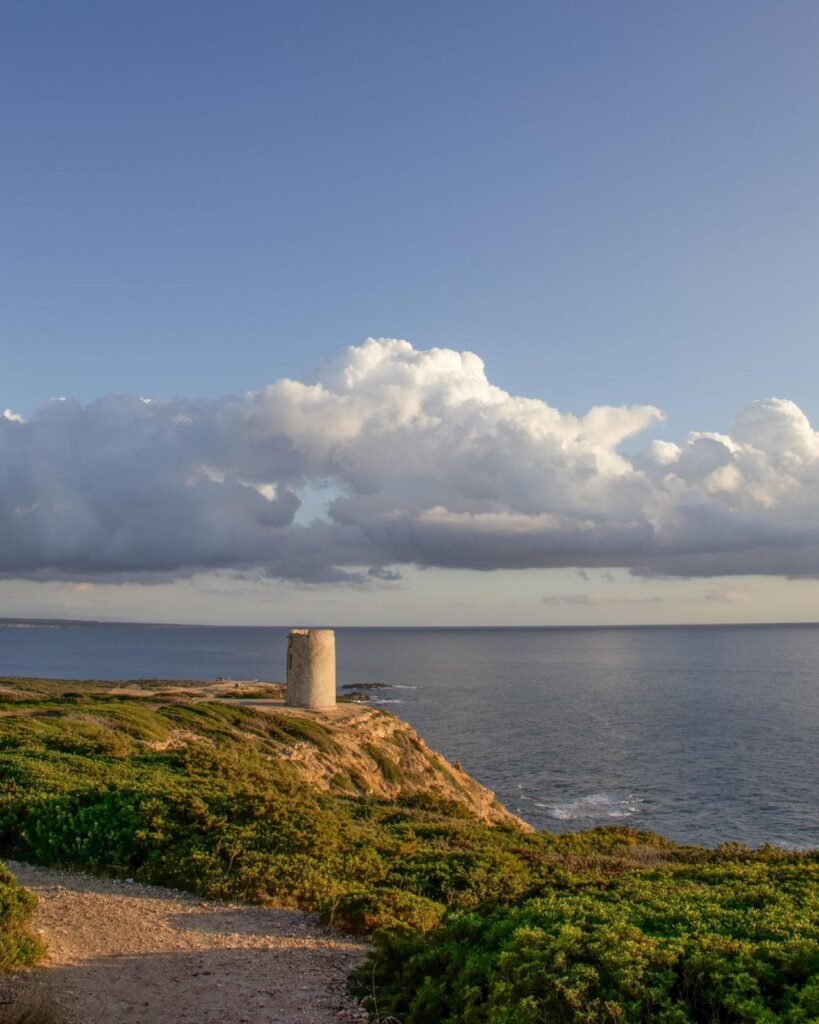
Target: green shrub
[[307, 730], [388, 768], [19, 946], [731, 942]]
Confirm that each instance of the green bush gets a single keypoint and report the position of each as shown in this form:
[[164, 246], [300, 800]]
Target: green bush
[[19, 947], [386, 765], [731, 941]]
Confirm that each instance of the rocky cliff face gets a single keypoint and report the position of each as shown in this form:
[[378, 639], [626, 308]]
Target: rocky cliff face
[[363, 750]]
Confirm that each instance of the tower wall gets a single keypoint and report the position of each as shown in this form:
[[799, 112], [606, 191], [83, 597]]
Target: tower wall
[[311, 669]]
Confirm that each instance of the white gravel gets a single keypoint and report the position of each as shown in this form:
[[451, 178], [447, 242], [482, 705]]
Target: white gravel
[[124, 953]]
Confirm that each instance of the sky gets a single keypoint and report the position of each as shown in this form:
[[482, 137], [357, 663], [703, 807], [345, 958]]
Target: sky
[[584, 238]]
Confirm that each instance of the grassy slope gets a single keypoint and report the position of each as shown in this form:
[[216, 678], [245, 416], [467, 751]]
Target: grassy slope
[[484, 924]]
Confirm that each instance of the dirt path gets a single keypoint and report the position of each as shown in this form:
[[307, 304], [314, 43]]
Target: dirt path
[[123, 953]]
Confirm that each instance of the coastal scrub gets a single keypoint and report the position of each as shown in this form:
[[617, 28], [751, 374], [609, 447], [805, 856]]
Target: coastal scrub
[[477, 921], [19, 946]]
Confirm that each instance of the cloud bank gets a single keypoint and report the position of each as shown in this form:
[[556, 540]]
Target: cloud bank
[[429, 464]]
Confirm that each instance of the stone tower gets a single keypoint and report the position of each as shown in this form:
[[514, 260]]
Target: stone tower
[[311, 669]]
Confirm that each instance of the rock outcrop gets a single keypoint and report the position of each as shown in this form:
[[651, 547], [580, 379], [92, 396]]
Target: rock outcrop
[[366, 750]]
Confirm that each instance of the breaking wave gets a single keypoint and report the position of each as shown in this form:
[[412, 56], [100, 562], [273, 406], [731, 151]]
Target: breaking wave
[[608, 806]]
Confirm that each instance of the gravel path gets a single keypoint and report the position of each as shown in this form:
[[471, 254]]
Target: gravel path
[[124, 953]]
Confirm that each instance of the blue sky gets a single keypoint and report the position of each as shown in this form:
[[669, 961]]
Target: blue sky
[[610, 204]]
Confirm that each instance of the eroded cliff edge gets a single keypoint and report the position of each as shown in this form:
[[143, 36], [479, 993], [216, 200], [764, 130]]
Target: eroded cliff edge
[[359, 750]]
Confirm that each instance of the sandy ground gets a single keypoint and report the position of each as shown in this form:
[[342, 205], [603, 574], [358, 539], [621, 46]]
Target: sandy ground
[[123, 953]]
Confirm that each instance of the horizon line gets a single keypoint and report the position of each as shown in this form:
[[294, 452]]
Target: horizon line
[[35, 620]]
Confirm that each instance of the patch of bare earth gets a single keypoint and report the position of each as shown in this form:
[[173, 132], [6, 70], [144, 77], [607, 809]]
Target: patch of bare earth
[[123, 953]]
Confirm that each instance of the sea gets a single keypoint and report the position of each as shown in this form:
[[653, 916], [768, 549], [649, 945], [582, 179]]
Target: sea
[[705, 734]]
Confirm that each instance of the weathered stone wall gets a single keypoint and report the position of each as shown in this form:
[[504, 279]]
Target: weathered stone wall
[[311, 669]]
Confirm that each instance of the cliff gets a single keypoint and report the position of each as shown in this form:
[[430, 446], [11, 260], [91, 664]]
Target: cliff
[[364, 751]]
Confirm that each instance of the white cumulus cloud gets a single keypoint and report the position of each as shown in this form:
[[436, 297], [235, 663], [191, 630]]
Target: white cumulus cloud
[[429, 464]]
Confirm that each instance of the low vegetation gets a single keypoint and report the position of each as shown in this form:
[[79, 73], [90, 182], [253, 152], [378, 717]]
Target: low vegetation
[[733, 939], [19, 946], [477, 923]]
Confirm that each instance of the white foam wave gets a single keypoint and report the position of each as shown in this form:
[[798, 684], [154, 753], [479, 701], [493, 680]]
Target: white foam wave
[[610, 806]]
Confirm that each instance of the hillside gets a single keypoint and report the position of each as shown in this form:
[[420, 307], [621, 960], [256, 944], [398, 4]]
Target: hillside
[[181, 784], [353, 750], [351, 815]]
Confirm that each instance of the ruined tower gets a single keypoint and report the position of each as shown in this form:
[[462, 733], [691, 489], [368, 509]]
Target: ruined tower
[[311, 669]]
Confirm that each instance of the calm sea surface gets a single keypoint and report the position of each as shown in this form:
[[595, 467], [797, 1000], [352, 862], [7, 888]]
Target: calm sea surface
[[704, 734]]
